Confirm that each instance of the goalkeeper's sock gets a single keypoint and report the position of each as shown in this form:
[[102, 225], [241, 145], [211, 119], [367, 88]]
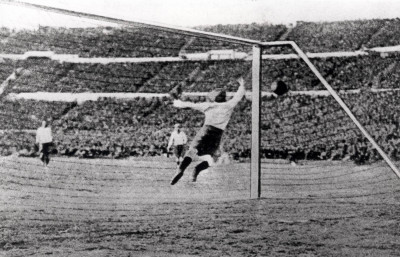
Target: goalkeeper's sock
[[185, 163], [199, 168]]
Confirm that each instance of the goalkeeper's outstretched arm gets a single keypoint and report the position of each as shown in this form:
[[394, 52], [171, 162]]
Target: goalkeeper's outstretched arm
[[203, 106], [239, 93], [196, 106]]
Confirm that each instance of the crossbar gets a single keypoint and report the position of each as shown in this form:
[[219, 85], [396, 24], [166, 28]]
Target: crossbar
[[221, 37], [131, 23]]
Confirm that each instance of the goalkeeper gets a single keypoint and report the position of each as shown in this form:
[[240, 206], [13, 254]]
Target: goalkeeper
[[217, 114]]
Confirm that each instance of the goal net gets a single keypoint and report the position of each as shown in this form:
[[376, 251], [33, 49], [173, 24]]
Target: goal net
[[104, 84], [336, 143]]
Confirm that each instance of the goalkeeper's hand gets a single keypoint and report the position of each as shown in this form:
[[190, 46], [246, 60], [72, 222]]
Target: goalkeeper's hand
[[12, 77], [241, 81]]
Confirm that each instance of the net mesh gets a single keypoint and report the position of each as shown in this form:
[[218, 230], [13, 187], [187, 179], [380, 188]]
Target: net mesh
[[310, 148], [323, 153]]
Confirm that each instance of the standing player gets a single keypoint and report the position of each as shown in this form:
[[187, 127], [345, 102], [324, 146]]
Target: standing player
[[44, 139], [178, 140], [217, 115]]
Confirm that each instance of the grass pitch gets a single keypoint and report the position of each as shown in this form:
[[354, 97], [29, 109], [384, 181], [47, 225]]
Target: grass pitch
[[127, 208]]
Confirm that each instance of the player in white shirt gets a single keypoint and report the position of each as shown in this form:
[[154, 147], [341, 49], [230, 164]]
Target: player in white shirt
[[178, 140], [207, 141], [44, 139]]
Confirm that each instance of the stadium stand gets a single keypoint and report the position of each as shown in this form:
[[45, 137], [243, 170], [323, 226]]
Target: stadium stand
[[6, 68], [201, 76], [121, 128], [262, 32], [137, 42], [334, 36], [387, 35], [141, 127], [27, 114], [92, 42]]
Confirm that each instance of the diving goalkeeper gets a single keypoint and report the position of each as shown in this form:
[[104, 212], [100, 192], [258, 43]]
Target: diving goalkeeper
[[217, 115]]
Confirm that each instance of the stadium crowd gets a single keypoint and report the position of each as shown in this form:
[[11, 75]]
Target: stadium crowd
[[342, 73], [315, 127], [387, 35], [335, 36], [146, 42], [294, 127], [262, 32], [27, 114], [93, 42]]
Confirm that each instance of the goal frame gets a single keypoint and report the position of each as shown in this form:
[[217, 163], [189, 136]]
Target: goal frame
[[255, 176], [258, 46]]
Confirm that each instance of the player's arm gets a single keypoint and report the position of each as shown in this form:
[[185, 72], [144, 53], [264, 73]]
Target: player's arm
[[196, 106], [37, 137], [239, 93], [51, 134], [171, 140], [39, 143], [184, 138]]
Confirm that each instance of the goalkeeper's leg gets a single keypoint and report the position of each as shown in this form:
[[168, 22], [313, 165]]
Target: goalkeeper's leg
[[203, 146], [207, 161], [187, 160], [199, 168]]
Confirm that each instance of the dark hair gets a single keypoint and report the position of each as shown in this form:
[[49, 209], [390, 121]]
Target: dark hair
[[221, 97]]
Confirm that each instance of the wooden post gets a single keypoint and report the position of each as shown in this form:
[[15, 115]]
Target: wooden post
[[154, 25], [255, 171], [346, 109]]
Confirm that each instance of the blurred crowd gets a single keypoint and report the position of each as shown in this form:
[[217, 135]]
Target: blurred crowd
[[143, 41], [387, 35], [337, 36], [343, 73], [316, 127], [293, 127], [27, 114], [262, 32], [93, 42]]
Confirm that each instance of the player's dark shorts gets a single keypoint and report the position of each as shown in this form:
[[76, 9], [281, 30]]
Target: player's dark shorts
[[178, 150], [207, 140], [46, 148]]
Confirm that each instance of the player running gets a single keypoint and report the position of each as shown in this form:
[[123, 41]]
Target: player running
[[217, 115], [178, 140]]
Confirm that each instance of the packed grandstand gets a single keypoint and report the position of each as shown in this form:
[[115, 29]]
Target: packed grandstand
[[302, 125]]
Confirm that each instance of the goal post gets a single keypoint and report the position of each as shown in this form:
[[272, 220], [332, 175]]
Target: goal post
[[304, 57], [255, 169], [165, 76], [255, 178]]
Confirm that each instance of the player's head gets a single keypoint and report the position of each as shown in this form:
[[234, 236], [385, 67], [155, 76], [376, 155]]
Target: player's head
[[177, 126], [218, 96], [46, 122]]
